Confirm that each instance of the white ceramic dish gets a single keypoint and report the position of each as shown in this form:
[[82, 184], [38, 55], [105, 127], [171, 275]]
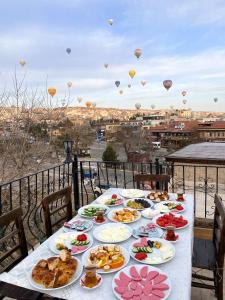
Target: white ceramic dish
[[66, 239], [103, 198], [150, 213], [75, 277], [155, 219], [138, 267], [89, 223], [112, 212], [86, 255], [163, 208], [132, 193], [81, 209], [113, 230], [157, 254], [133, 199], [160, 233]]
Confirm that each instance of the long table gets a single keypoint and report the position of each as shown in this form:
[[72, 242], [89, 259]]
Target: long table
[[178, 269]]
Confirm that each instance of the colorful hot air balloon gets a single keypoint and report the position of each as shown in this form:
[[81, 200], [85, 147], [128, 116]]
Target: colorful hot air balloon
[[132, 73], [167, 84], [215, 100], [121, 92], [52, 91], [110, 21], [106, 65], [69, 84], [129, 85], [184, 101], [68, 50], [138, 106], [88, 104], [143, 82], [22, 62], [79, 99], [184, 93], [117, 83], [152, 106], [137, 52]]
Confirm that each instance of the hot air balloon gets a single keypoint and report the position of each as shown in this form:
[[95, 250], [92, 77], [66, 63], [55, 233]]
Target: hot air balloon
[[184, 93], [137, 52], [69, 84], [22, 62], [68, 50], [167, 84], [52, 91], [121, 92], [93, 104], [129, 85], [117, 83], [132, 73], [79, 99], [143, 82], [88, 104], [152, 106], [63, 101], [215, 100], [106, 65], [110, 21], [138, 106], [184, 101]]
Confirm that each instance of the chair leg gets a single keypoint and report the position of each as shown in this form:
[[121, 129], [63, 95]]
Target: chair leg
[[219, 285]]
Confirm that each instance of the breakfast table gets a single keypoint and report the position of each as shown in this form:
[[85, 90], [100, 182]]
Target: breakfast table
[[178, 269]]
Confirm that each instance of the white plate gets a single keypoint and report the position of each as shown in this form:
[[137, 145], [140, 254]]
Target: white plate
[[103, 198], [150, 213], [156, 252], [66, 238], [155, 218], [111, 214], [81, 209], [159, 231], [75, 277], [90, 224], [112, 226], [133, 199], [138, 267], [132, 193], [101, 271], [164, 209]]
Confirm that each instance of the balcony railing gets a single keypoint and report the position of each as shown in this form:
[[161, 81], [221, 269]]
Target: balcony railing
[[91, 178]]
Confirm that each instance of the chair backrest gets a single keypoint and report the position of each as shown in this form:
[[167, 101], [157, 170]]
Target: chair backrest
[[13, 246], [160, 181], [219, 230], [57, 207]]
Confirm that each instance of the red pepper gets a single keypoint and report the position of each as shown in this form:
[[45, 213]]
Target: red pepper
[[141, 256], [82, 237]]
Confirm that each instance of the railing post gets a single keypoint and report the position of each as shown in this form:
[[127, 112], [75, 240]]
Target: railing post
[[157, 171], [76, 192]]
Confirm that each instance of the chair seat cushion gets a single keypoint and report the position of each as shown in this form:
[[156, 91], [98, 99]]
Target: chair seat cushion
[[204, 254]]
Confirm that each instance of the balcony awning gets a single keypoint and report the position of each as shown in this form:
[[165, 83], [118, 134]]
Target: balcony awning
[[202, 153]]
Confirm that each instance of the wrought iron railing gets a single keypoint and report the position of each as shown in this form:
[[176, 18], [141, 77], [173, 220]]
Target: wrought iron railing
[[91, 178]]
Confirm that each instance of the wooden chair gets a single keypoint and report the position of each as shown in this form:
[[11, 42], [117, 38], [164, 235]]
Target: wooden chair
[[209, 254], [57, 205], [160, 180], [13, 246]]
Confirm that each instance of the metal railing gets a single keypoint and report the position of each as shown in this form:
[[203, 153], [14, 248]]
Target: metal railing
[[91, 178]]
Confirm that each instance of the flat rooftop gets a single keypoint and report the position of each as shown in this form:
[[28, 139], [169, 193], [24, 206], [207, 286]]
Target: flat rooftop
[[207, 153]]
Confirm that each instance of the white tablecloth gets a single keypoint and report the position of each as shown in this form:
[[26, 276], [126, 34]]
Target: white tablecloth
[[178, 269]]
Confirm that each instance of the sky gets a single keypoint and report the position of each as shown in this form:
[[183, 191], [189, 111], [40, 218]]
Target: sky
[[180, 40]]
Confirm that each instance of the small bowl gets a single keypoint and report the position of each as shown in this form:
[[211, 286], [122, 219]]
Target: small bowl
[[94, 287]]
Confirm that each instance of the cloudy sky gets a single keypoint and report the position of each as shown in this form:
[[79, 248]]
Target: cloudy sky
[[181, 40]]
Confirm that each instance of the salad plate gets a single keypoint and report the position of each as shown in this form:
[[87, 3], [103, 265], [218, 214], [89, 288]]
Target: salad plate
[[110, 200], [76, 242], [170, 206], [152, 251], [141, 282], [138, 203], [171, 219], [91, 210], [112, 233]]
